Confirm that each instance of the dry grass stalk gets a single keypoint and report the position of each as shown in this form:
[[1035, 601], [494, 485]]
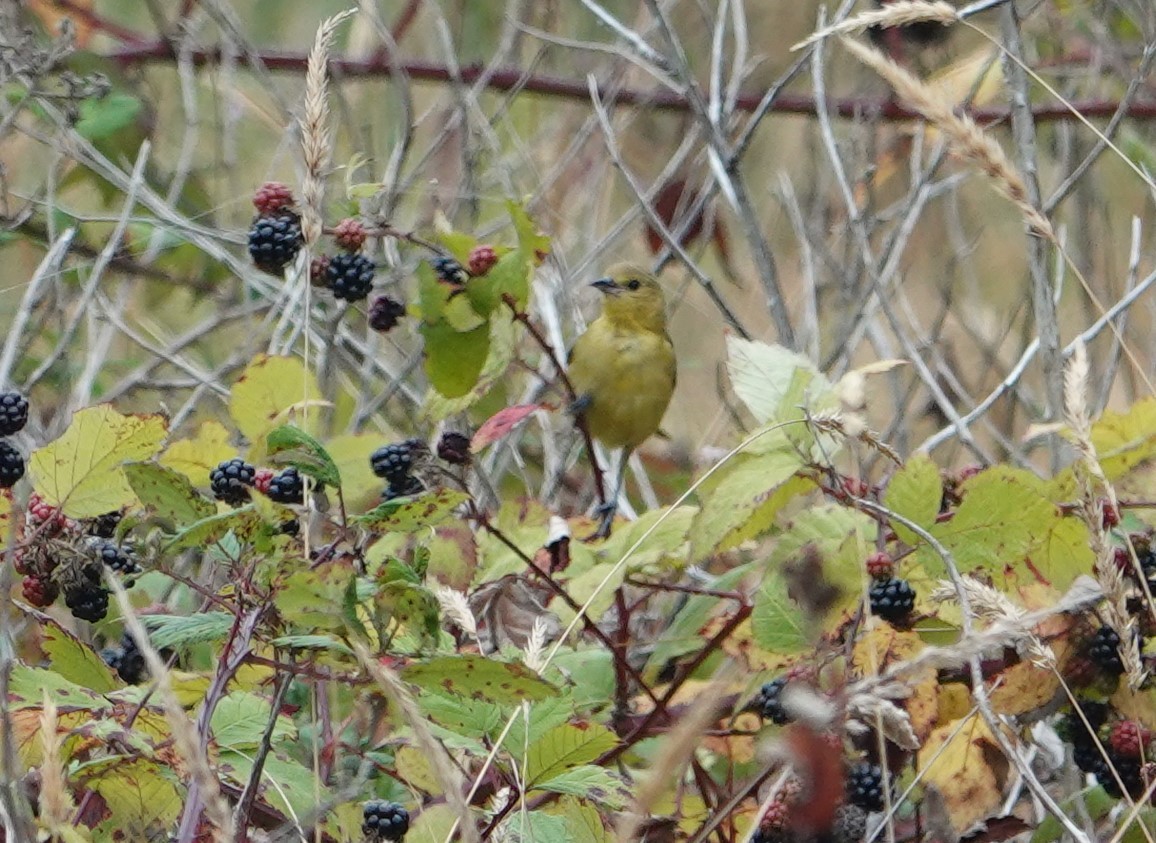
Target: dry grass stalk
[[993, 606], [893, 14], [1095, 493], [184, 731], [456, 606], [56, 805], [316, 138], [965, 138]]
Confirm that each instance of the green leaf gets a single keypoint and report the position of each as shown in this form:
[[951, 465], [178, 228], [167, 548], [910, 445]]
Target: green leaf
[[288, 786], [594, 783], [771, 380], [245, 523], [742, 503], [139, 793], [72, 659], [583, 821], [168, 493], [198, 456], [177, 632], [564, 748], [434, 824], [532, 244], [777, 622], [240, 719], [915, 493], [28, 685], [534, 827], [419, 513], [81, 471], [101, 118], [293, 446], [316, 598], [503, 336], [479, 678], [271, 391], [1126, 439], [665, 543], [310, 642], [454, 359]]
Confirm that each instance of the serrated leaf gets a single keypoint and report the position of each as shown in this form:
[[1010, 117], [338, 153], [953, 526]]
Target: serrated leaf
[[419, 513], [965, 763], [1126, 439], [72, 659], [666, 540], [764, 376], [168, 493], [293, 446], [240, 719], [196, 457], [593, 783], [498, 356], [82, 470], [310, 642], [534, 827], [269, 392], [27, 686], [245, 523], [180, 631], [316, 598], [915, 492], [564, 748], [139, 794], [287, 785], [479, 678], [583, 821], [777, 621], [434, 824], [454, 359], [742, 495]]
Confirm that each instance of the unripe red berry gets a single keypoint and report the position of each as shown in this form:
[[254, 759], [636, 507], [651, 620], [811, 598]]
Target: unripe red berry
[[1129, 738], [880, 565], [1111, 515], [482, 259], [271, 197], [349, 234], [40, 592], [262, 478], [318, 271]]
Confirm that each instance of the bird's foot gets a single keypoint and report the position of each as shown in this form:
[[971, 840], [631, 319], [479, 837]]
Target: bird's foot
[[606, 513], [579, 405]]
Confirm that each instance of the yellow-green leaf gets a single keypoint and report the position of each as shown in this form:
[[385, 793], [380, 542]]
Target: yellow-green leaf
[[454, 359], [72, 659], [478, 677], [168, 493], [564, 748], [771, 380], [1124, 440], [270, 392], [196, 457], [139, 794], [419, 513], [82, 470], [915, 493]]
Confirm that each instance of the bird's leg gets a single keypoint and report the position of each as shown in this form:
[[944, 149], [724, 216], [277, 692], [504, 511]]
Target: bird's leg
[[609, 509]]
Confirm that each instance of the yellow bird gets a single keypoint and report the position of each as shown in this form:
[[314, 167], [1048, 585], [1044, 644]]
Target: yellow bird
[[623, 368]]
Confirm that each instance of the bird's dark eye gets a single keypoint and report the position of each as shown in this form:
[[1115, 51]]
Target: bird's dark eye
[[634, 284]]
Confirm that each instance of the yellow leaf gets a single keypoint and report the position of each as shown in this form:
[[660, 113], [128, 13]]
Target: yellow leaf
[[273, 391], [81, 471], [414, 767], [196, 457], [884, 646], [965, 764]]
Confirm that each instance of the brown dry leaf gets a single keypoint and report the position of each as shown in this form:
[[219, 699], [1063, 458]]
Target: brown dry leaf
[[970, 771], [507, 609], [884, 646], [51, 15]]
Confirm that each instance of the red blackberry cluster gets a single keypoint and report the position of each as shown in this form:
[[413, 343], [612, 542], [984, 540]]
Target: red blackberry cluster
[[384, 314], [39, 591], [350, 276], [43, 517], [318, 271], [230, 481], [262, 478], [892, 599], [880, 566], [383, 820], [454, 448], [275, 240], [482, 260], [864, 786], [272, 197], [447, 269], [349, 234], [288, 487]]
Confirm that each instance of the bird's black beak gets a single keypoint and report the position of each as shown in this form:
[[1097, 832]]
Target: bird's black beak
[[608, 286]]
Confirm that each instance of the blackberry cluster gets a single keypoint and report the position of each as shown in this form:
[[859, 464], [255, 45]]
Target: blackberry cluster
[[116, 558], [449, 270], [395, 461], [287, 487], [230, 481], [350, 276], [768, 702], [87, 600], [892, 599], [1104, 651], [127, 660], [408, 487], [864, 786], [104, 526], [13, 413], [11, 465], [384, 314], [454, 448], [850, 825], [275, 240], [384, 820]]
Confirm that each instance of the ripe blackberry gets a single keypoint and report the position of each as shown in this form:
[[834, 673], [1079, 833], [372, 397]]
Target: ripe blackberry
[[349, 234], [13, 413], [40, 591], [349, 276], [87, 602], [449, 270], [1129, 739], [454, 448], [892, 599], [287, 487], [104, 526], [1128, 770], [1087, 757], [384, 820], [272, 197], [274, 241], [408, 487], [880, 566], [393, 462], [116, 558], [230, 481], [130, 663], [864, 786], [850, 824], [482, 259], [290, 527], [11, 465], [768, 702], [1104, 650], [384, 314]]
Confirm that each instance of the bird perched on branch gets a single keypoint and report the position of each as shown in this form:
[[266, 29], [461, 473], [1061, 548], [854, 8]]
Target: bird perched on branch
[[622, 368]]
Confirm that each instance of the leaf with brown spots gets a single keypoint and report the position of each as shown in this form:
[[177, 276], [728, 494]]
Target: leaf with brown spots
[[479, 678], [967, 767]]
